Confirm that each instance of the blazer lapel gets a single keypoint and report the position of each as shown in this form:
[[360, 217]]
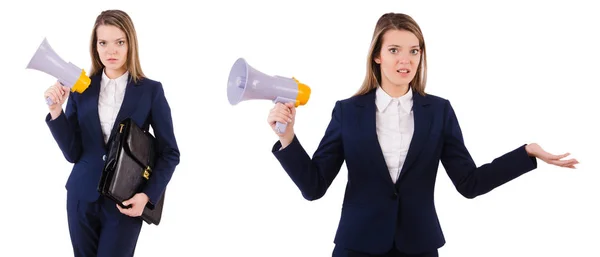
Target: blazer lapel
[[368, 129], [422, 116], [94, 95]]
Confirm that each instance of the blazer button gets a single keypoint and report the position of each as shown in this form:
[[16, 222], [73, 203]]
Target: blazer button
[[104, 157], [395, 196]]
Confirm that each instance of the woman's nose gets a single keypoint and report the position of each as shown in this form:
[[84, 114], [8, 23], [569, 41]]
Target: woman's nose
[[403, 60]]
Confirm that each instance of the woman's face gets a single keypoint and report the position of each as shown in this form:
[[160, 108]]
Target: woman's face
[[112, 49], [399, 57]]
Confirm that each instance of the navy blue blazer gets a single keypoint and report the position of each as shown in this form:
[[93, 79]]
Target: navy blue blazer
[[376, 212], [78, 133]]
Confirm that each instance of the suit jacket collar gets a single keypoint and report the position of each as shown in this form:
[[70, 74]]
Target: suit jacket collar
[[133, 92], [422, 114]]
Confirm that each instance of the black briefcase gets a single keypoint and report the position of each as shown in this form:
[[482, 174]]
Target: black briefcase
[[128, 168]]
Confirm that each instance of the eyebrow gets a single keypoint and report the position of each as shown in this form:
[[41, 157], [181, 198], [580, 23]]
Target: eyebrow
[[415, 46], [121, 38]]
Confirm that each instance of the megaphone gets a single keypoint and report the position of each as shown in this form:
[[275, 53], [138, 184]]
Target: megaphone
[[69, 75], [246, 83]]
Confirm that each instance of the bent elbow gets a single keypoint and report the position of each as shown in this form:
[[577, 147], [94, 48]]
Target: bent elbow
[[74, 155], [468, 191], [72, 158], [313, 196], [472, 191], [175, 159], [172, 155], [469, 195]]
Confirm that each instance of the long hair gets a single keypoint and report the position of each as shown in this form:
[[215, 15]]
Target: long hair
[[121, 20], [393, 21]]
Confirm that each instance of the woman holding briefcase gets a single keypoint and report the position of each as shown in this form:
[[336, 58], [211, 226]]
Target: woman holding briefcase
[[118, 90]]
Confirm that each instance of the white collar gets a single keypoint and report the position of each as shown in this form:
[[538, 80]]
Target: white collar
[[120, 80], [383, 99]]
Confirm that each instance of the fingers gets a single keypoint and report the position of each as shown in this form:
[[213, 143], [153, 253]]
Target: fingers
[[283, 110], [124, 211], [66, 92], [57, 93], [128, 212], [50, 92], [281, 113], [134, 211], [277, 117], [52, 95], [290, 105], [558, 157], [284, 107], [564, 163], [291, 108]]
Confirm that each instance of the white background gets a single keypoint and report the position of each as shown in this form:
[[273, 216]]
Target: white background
[[515, 71]]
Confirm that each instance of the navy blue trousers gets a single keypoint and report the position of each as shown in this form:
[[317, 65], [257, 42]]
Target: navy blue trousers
[[341, 252], [99, 229]]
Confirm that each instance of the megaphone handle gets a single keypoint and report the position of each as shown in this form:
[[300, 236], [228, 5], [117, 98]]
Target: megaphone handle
[[280, 127], [48, 99]]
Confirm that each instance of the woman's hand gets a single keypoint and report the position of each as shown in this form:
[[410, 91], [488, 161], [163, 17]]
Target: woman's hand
[[137, 202], [536, 151], [58, 94], [286, 114]]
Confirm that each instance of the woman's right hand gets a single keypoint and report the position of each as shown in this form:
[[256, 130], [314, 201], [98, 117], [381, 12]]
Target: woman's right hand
[[58, 94], [286, 114]]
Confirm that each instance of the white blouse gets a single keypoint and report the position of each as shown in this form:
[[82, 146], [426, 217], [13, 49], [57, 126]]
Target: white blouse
[[112, 92], [395, 127]]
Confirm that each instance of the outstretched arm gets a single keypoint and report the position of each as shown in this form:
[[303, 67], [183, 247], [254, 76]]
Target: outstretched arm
[[470, 180]]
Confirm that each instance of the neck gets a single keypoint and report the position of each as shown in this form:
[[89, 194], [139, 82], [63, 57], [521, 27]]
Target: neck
[[113, 74], [395, 90]]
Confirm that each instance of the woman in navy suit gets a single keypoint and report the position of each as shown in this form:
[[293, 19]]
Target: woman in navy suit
[[392, 136], [118, 90]]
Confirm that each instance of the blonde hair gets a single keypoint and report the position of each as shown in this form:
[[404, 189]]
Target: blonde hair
[[121, 20], [393, 21]]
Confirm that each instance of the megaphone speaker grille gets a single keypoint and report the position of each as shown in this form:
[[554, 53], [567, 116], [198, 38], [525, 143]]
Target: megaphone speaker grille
[[236, 84]]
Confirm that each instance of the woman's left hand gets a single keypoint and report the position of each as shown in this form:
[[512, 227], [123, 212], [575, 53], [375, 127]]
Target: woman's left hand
[[137, 202], [536, 151]]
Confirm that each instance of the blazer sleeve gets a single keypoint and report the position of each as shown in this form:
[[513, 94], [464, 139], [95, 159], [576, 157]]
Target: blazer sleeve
[[66, 132], [314, 176], [166, 145], [470, 180]]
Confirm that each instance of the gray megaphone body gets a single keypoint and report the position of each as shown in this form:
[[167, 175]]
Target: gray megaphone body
[[247, 83], [69, 75]]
